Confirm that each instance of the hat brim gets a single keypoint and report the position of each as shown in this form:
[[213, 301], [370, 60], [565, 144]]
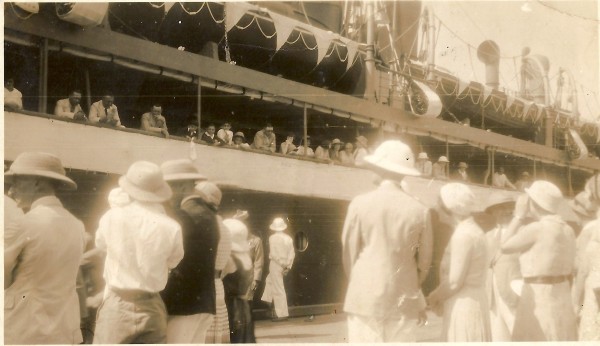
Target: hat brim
[[391, 167], [65, 182], [160, 195], [277, 229], [497, 204], [542, 204], [184, 176]]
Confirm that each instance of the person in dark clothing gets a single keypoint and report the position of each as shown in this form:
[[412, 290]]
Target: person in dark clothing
[[190, 292], [236, 283]]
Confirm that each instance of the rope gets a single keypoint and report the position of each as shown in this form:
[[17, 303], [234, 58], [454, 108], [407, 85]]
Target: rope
[[568, 14], [255, 19], [127, 26], [227, 48]]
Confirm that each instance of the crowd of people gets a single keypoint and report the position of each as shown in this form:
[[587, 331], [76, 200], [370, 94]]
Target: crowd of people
[[530, 278], [174, 270]]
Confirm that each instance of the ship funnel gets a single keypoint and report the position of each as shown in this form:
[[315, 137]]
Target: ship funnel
[[488, 53]]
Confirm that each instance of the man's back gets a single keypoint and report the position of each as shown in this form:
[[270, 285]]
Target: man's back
[[41, 305], [382, 233]]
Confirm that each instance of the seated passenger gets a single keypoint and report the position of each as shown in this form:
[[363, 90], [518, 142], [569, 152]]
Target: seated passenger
[[105, 111], [523, 182], [461, 173], [322, 151], [362, 150], [70, 107], [347, 155], [209, 137], [189, 131], [13, 99], [239, 141], [225, 133], [309, 151], [440, 168], [334, 151], [265, 139], [499, 179], [423, 165], [153, 121], [288, 147]]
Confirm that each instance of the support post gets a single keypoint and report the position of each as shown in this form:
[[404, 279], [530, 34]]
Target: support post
[[305, 134], [431, 42], [199, 106], [88, 90], [43, 82], [370, 57]]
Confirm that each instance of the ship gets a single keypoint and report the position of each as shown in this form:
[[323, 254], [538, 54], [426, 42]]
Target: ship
[[325, 70]]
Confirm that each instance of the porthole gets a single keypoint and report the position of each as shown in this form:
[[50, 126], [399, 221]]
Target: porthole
[[301, 241]]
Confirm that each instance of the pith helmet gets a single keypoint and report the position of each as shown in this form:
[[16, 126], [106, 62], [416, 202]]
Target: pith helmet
[[40, 165], [394, 156]]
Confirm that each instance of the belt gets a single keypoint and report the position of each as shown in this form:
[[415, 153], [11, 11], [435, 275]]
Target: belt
[[218, 274], [133, 294], [547, 280]]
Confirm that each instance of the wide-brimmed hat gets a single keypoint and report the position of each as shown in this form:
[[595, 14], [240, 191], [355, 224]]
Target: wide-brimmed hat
[[395, 157], [336, 141], [458, 198], [525, 174], [582, 206], [499, 199], [144, 182], [546, 195], [278, 225], [443, 159], [362, 140], [209, 192], [463, 165], [239, 241], [423, 156], [182, 169], [240, 215], [240, 134], [40, 165]]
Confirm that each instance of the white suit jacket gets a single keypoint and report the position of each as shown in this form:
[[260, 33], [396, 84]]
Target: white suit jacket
[[44, 251]]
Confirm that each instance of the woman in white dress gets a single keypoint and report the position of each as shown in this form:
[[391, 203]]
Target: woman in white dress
[[463, 271]]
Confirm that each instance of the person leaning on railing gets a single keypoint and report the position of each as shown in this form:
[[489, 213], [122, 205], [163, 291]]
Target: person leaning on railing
[[154, 121], [105, 111], [70, 107]]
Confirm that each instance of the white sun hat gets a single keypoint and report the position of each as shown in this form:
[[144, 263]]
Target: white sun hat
[[458, 198], [209, 192], [144, 182], [546, 195], [278, 225], [40, 165], [182, 169], [395, 157]]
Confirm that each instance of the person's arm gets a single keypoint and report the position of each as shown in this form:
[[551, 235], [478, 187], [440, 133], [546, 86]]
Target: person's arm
[[510, 185], [521, 241], [461, 248], [273, 146], [115, 120], [59, 110], [425, 252], [259, 260], [146, 126], [291, 254], [177, 249], [15, 239], [351, 240], [95, 115], [258, 141]]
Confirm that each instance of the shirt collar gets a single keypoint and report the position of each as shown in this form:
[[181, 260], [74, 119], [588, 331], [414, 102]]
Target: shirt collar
[[46, 201], [391, 185]]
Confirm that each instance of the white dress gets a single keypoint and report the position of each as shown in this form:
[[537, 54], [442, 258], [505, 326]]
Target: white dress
[[589, 327]]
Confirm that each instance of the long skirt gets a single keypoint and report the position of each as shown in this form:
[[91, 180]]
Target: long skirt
[[218, 333], [275, 290], [589, 327], [545, 313], [466, 316], [241, 325]]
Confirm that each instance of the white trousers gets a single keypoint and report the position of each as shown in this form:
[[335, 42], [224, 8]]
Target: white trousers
[[363, 329], [189, 329], [275, 291]]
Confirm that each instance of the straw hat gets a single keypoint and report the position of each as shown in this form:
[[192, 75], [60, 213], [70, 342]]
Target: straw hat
[[546, 195], [499, 199], [144, 182], [463, 165], [183, 169], [239, 241], [336, 141], [458, 198], [209, 192], [362, 140], [394, 156], [278, 225], [423, 156], [40, 165], [240, 215], [240, 134], [443, 159]]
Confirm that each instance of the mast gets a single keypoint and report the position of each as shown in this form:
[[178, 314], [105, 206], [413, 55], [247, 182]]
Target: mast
[[430, 20], [370, 57]]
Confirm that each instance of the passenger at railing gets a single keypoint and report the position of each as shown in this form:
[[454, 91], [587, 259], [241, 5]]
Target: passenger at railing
[[362, 150], [309, 151], [334, 151], [265, 139], [523, 182], [547, 256], [322, 151], [13, 99], [105, 111], [225, 134], [209, 136], [461, 173], [154, 121], [70, 107], [440, 168], [499, 179], [239, 141], [347, 155], [190, 131], [288, 147], [423, 165]]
